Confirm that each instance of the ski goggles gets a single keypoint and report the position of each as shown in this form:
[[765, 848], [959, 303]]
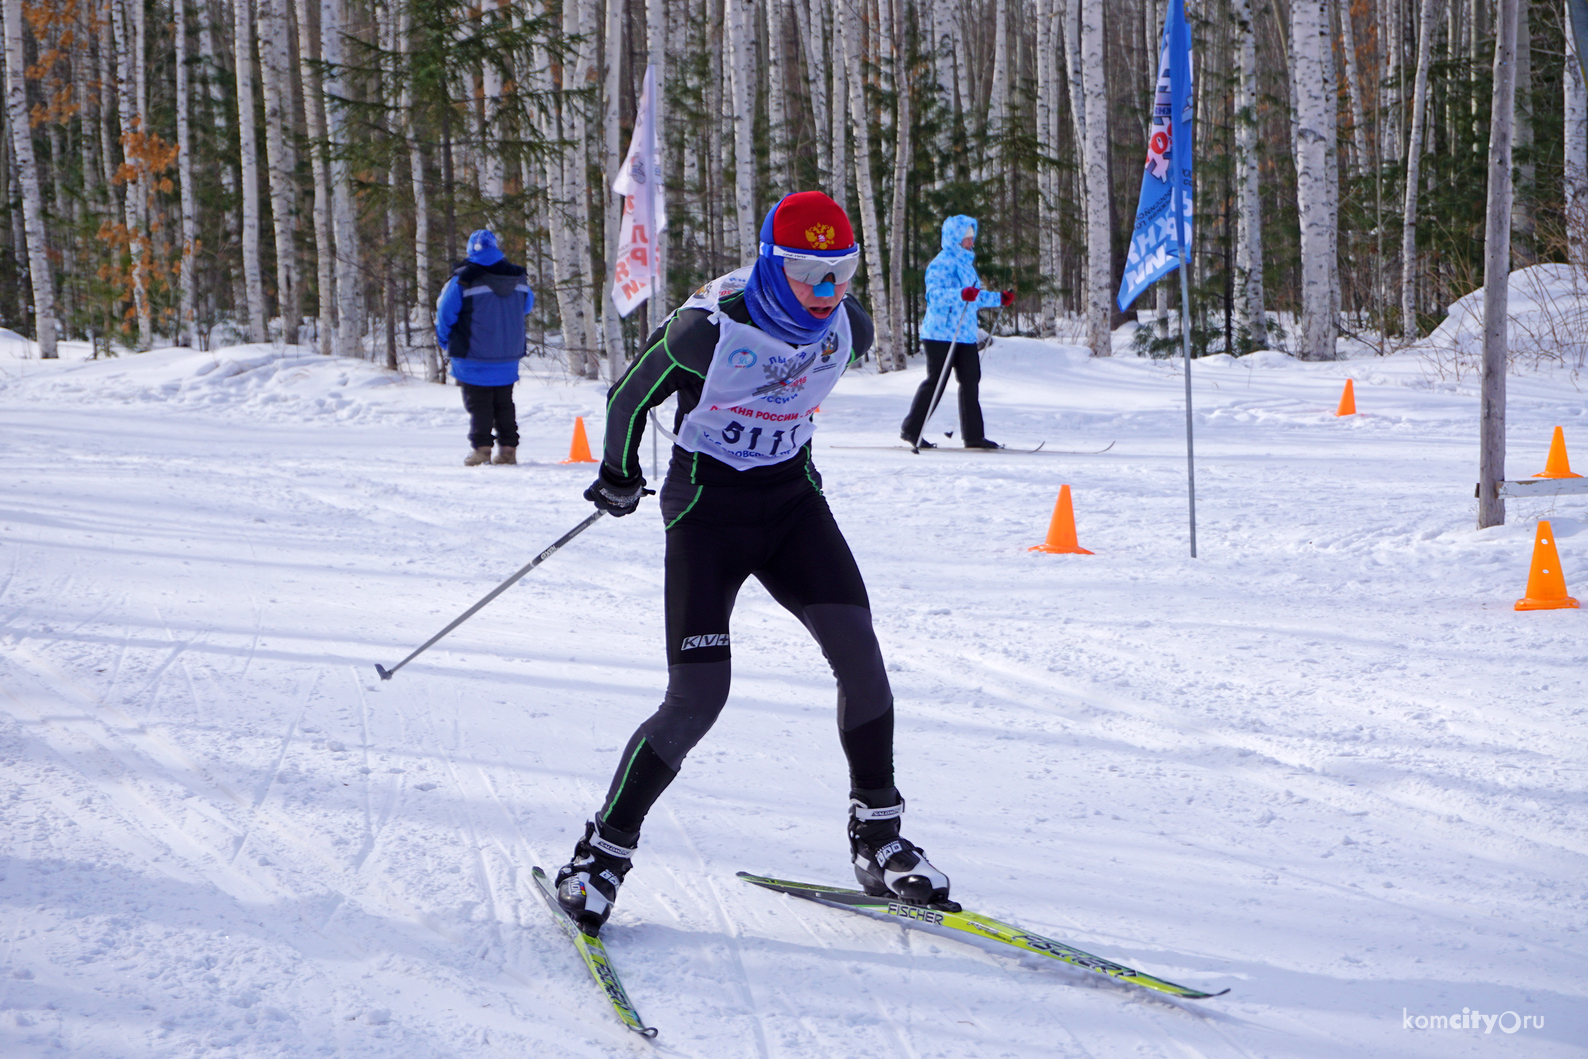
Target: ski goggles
[[814, 270]]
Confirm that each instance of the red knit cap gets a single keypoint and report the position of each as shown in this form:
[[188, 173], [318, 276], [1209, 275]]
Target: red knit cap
[[809, 220]]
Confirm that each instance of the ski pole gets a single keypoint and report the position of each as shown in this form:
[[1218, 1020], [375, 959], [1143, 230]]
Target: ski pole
[[942, 380], [992, 332], [386, 674]]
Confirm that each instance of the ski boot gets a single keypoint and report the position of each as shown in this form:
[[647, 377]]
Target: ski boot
[[982, 444], [887, 864], [588, 884]]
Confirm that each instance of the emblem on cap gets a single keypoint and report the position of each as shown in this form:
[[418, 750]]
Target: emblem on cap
[[820, 236]]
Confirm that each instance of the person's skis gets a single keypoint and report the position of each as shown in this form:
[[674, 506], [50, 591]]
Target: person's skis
[[977, 925], [595, 960]]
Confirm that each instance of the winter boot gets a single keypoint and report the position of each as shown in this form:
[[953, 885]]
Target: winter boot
[[887, 864], [982, 444], [477, 457], [920, 444], [588, 884], [506, 454]]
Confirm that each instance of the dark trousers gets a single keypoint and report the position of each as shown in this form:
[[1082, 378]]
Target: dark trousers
[[967, 371], [491, 407], [785, 537]]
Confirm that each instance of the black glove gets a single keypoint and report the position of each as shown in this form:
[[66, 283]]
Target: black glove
[[616, 500]]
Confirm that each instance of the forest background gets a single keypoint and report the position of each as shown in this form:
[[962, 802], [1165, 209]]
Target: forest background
[[1342, 148]]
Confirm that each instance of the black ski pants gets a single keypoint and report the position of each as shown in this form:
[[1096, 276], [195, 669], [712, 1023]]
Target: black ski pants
[[784, 536], [490, 409], [967, 372]]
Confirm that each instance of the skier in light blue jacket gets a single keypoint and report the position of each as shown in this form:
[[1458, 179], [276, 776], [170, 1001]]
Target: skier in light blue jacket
[[951, 282]]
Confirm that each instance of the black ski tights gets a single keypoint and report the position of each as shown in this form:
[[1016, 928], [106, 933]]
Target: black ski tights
[[785, 537]]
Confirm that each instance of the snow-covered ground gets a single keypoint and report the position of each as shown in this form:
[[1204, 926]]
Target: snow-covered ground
[[1325, 764]]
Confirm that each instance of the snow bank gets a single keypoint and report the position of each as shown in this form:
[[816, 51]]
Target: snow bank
[[1547, 318]]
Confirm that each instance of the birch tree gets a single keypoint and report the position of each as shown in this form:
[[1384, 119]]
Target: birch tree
[[186, 316], [248, 159], [28, 177], [1249, 245], [903, 155], [1497, 270], [1414, 164], [1315, 153], [1099, 239], [324, 249], [1575, 180], [871, 234]]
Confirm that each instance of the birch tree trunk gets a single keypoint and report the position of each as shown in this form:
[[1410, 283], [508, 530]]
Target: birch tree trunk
[[1353, 87], [326, 338], [656, 46], [1250, 296], [248, 162], [1575, 183], [838, 183], [610, 97], [42, 281], [346, 262], [1047, 84], [1522, 197], [1414, 168], [876, 281], [998, 100], [579, 65], [185, 317], [741, 23], [1315, 152], [776, 100], [1497, 270], [274, 61], [903, 155], [490, 155], [416, 169], [1099, 243], [135, 202], [813, 43]]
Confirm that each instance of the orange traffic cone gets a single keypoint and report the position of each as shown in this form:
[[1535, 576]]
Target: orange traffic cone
[[1061, 529], [1347, 401], [1546, 585], [579, 451], [1556, 465]]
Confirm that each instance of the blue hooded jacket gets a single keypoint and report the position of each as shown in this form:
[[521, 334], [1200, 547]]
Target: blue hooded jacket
[[950, 272], [480, 315]]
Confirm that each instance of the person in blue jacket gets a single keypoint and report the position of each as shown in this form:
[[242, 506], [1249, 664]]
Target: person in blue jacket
[[951, 282], [480, 323]]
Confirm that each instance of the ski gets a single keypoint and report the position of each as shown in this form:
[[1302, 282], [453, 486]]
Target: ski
[[1042, 448], [595, 959], [977, 925]]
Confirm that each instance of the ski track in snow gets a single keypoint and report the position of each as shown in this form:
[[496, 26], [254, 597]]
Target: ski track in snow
[[1325, 764]]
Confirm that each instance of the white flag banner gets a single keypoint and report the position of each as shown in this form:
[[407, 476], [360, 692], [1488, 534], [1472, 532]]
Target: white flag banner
[[634, 276]]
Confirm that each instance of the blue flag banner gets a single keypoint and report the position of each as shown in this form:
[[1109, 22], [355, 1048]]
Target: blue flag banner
[[1167, 184]]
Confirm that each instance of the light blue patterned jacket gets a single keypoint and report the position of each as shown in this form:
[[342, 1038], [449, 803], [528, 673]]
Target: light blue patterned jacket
[[951, 271]]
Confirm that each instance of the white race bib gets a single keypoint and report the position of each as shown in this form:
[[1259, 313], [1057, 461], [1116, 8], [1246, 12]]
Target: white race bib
[[755, 407]]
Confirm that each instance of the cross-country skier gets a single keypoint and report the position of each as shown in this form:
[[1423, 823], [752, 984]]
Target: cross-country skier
[[951, 282], [750, 356]]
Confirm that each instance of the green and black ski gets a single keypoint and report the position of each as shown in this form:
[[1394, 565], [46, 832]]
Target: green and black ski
[[596, 959], [976, 925]]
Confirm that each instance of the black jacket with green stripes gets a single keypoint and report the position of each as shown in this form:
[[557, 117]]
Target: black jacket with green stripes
[[675, 360]]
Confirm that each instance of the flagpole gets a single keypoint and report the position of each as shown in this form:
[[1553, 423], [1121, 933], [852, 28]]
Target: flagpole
[[1185, 343]]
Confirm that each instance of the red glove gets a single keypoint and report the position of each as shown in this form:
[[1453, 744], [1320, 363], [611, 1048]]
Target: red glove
[[1006, 298], [969, 294]]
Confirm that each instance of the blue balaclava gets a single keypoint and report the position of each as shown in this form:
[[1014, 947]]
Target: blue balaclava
[[812, 223], [482, 247]]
